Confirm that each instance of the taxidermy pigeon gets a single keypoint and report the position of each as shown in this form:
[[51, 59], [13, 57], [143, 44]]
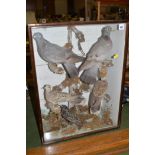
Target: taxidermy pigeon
[[96, 56], [53, 53], [97, 95], [70, 116]]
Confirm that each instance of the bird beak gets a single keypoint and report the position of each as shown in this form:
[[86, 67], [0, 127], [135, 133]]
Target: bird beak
[[34, 36]]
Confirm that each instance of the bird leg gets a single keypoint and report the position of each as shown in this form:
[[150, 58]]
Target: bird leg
[[107, 63]]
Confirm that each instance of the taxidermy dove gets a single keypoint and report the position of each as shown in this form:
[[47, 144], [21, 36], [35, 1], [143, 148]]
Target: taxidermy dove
[[96, 56], [97, 95], [70, 116], [54, 97], [53, 53]]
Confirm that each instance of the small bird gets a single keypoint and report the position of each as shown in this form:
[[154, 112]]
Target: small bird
[[97, 95], [95, 56], [53, 53], [54, 97], [70, 116]]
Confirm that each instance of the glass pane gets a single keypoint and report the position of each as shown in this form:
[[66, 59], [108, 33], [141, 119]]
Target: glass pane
[[79, 75]]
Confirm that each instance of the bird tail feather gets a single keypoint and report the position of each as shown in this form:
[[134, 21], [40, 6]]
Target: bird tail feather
[[77, 99], [94, 103], [71, 70]]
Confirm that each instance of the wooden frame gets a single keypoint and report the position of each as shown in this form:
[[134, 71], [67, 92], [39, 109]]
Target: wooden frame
[[109, 143], [37, 109]]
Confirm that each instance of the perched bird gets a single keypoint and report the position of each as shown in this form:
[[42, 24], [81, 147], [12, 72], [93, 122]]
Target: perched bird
[[54, 97], [55, 54], [95, 56], [97, 95], [70, 116]]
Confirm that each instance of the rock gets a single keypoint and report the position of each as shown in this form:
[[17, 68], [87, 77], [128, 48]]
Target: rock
[[64, 123], [106, 117], [46, 125]]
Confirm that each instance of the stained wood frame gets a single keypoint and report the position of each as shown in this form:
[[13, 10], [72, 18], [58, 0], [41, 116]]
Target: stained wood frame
[[36, 103]]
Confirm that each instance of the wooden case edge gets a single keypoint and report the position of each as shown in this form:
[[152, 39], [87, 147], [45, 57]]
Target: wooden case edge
[[37, 109]]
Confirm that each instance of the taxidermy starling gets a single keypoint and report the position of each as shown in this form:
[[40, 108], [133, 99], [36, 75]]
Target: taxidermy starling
[[96, 56], [70, 116], [97, 95], [55, 54]]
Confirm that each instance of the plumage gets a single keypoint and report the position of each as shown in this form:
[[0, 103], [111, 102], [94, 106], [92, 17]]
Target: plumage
[[97, 95], [88, 75], [53, 53], [96, 55], [54, 97], [94, 103], [70, 116]]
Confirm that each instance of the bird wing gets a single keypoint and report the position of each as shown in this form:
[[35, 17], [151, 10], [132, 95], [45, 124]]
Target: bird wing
[[100, 47], [54, 52], [99, 88], [71, 117], [71, 69], [72, 57], [94, 49], [89, 76], [96, 54], [51, 96], [94, 102]]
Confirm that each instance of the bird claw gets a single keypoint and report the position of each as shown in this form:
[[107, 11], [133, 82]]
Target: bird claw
[[59, 70], [107, 63], [55, 69], [68, 46]]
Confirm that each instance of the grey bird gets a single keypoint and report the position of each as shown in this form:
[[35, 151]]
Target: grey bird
[[96, 56], [97, 95], [55, 54], [70, 116]]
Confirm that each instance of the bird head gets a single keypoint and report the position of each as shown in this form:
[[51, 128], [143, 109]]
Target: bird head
[[37, 35], [47, 87], [64, 107], [106, 31]]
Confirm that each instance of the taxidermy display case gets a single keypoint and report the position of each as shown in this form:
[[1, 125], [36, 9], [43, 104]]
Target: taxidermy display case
[[78, 70]]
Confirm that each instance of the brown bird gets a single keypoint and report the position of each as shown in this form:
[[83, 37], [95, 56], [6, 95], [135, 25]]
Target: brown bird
[[54, 97], [97, 95]]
